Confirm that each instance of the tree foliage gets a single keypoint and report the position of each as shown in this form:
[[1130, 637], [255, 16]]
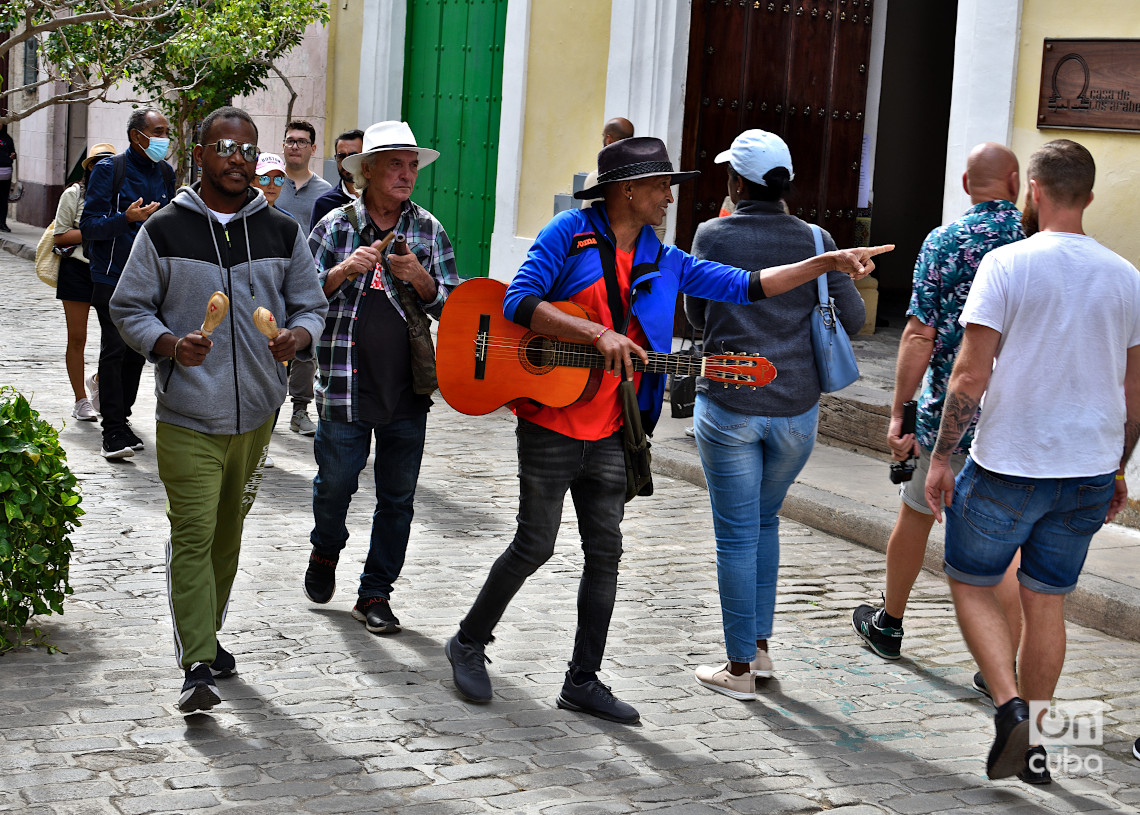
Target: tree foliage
[[186, 56]]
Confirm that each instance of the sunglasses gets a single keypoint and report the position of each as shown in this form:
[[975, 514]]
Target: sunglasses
[[227, 147], [343, 156], [264, 180]]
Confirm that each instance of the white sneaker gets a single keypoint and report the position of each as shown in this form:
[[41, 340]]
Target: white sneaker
[[722, 681], [84, 411], [762, 665], [92, 385], [268, 463]]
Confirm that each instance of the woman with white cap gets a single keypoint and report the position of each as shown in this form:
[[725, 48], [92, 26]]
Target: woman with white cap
[[754, 442], [73, 285]]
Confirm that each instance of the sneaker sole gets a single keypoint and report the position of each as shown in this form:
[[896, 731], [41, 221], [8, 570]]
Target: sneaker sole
[[223, 674], [1011, 760], [387, 628], [94, 418], [566, 704], [199, 697], [478, 700], [742, 696], [112, 455], [872, 645], [301, 432], [1136, 749]]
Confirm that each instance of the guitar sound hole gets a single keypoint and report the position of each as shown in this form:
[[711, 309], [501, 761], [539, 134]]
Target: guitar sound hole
[[536, 353]]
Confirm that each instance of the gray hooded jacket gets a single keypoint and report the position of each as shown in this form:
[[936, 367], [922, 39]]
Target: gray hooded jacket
[[182, 256]]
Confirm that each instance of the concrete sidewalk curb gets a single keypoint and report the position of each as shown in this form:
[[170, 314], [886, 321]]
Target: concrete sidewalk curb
[[1097, 603], [17, 247]]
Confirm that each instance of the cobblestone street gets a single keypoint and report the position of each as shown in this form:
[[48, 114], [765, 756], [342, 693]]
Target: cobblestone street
[[324, 717]]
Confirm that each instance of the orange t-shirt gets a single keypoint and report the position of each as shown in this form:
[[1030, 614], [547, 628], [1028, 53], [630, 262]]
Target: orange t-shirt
[[599, 417]]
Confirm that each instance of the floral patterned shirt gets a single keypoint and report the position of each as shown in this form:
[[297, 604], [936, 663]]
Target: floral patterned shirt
[[943, 275]]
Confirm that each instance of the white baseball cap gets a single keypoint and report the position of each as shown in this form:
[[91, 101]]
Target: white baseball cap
[[268, 162], [754, 153]]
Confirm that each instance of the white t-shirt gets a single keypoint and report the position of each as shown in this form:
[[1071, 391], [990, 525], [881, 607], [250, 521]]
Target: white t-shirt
[[223, 217], [1068, 310]]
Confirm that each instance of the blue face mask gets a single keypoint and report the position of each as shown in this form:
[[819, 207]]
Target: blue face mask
[[157, 149]]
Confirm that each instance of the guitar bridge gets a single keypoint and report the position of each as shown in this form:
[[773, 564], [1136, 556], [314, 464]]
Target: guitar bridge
[[481, 346]]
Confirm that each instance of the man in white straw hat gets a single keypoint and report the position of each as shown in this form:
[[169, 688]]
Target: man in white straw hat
[[365, 385]]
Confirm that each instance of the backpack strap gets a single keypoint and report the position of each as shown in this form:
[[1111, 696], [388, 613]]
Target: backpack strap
[[119, 172]]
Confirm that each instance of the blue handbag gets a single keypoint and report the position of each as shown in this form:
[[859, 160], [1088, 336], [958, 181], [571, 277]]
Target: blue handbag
[[834, 357]]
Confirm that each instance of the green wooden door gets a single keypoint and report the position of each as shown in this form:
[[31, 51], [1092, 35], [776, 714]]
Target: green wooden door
[[453, 78]]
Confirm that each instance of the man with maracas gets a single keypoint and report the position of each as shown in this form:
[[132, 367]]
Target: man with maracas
[[218, 251]]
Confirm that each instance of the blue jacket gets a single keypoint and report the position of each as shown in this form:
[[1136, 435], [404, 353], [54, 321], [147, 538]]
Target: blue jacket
[[564, 260], [107, 234]]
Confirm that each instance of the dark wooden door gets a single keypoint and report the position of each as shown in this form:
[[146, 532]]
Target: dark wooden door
[[797, 69]]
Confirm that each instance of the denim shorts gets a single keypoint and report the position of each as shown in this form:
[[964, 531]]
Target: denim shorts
[[1052, 520]]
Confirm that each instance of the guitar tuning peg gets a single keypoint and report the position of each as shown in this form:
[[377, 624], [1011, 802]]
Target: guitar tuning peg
[[737, 387]]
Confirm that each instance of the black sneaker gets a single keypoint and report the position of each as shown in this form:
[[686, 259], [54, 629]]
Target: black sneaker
[[135, 442], [320, 578], [1011, 744], [1136, 748], [224, 664], [596, 699], [376, 615], [1036, 769], [884, 641], [117, 445], [198, 691], [468, 670]]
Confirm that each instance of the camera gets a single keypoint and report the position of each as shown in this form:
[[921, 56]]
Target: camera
[[904, 470]]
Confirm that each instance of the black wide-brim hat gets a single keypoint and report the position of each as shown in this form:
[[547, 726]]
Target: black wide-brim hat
[[628, 159]]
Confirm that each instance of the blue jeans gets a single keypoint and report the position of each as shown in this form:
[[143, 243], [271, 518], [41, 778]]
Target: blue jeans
[[1052, 521], [749, 462], [594, 473], [341, 450]]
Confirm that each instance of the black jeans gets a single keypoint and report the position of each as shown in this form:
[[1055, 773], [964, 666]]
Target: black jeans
[[594, 473], [120, 366]]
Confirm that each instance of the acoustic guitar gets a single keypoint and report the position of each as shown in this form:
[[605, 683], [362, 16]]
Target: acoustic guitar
[[484, 361]]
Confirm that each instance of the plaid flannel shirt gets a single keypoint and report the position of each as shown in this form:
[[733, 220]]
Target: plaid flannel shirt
[[332, 241]]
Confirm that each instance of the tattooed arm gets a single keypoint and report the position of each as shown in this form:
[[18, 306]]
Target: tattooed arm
[[964, 392], [1131, 428]]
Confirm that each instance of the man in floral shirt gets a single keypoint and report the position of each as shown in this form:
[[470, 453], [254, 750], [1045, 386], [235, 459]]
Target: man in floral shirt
[[365, 387], [945, 270]]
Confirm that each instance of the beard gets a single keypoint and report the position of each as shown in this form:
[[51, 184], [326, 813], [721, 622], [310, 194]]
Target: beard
[[1029, 219]]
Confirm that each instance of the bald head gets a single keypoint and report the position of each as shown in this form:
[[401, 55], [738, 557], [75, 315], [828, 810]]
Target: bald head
[[615, 130], [991, 173]]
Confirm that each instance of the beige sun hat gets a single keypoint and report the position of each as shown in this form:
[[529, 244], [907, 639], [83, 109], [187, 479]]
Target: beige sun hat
[[384, 136]]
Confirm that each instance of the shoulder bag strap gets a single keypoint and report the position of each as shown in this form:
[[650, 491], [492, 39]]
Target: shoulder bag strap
[[608, 256], [821, 281]]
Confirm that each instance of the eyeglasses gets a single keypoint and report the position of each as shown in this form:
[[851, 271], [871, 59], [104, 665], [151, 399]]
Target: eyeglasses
[[227, 147], [343, 156], [297, 143], [278, 180]]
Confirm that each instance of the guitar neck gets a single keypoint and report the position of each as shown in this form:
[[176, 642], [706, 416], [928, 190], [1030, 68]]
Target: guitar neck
[[575, 355]]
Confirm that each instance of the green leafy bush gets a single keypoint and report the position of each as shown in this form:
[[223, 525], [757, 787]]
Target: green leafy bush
[[40, 506]]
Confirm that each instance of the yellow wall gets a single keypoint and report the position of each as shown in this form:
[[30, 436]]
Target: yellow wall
[[565, 101], [342, 85], [1110, 219]]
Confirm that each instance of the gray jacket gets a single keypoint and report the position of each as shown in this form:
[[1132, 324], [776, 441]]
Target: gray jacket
[[182, 255], [757, 236]]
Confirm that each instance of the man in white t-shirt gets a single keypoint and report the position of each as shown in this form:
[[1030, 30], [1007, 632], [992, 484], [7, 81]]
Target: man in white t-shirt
[[1060, 314]]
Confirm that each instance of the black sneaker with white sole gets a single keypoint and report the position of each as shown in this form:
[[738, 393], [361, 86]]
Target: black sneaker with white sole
[[198, 691], [980, 685], [117, 445], [376, 615], [1136, 748], [883, 640], [320, 578], [595, 698], [224, 664], [132, 437]]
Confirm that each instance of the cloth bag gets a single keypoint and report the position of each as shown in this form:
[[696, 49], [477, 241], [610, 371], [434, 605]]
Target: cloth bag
[[834, 357], [421, 349], [47, 261]]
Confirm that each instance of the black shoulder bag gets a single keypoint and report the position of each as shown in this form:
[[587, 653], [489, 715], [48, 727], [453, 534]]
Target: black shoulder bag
[[635, 445]]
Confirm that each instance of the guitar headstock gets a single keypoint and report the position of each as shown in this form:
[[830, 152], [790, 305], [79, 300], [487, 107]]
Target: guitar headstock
[[747, 370]]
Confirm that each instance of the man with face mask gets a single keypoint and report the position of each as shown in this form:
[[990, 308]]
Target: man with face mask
[[123, 192]]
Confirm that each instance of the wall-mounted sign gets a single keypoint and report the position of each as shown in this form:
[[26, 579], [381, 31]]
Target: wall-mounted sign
[[1090, 84]]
